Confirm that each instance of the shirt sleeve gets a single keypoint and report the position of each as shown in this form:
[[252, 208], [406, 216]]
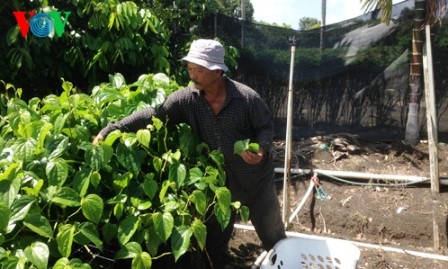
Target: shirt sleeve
[[132, 123], [171, 111], [263, 124]]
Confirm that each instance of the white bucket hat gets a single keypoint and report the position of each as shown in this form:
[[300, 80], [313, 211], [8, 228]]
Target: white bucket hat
[[207, 53]]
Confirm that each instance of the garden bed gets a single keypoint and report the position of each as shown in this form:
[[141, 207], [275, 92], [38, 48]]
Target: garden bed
[[392, 223]]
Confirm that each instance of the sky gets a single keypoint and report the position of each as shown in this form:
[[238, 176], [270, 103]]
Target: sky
[[291, 11]]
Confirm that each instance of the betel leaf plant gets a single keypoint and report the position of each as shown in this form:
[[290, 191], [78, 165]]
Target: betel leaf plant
[[146, 195]]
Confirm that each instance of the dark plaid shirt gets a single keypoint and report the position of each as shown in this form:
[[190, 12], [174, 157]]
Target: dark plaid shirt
[[243, 115]]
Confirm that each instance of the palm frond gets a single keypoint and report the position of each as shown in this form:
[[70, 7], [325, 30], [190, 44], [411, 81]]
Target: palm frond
[[374, 5], [435, 11]]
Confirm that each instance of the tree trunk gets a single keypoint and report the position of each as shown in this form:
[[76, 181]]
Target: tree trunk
[[412, 135]]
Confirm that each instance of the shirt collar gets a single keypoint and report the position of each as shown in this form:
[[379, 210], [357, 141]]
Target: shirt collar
[[232, 91]]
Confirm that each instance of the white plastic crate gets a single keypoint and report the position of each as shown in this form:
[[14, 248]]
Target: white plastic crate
[[304, 253]]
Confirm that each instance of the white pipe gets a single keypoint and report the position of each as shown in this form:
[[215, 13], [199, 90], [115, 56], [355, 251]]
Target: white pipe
[[359, 244], [305, 197], [344, 174], [259, 260], [359, 175]]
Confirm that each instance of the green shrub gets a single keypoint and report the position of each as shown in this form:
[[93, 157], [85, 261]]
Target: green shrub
[[59, 192]]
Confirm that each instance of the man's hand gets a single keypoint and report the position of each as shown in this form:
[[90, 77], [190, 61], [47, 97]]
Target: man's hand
[[97, 139], [252, 158]]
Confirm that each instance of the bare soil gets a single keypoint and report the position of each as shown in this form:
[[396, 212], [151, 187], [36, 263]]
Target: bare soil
[[395, 223]]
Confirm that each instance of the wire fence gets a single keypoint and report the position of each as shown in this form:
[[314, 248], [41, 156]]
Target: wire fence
[[351, 76]]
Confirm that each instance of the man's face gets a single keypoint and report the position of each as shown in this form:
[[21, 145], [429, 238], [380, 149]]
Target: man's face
[[201, 76]]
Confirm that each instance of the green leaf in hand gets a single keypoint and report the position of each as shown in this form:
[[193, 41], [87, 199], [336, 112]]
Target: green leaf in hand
[[242, 145], [254, 147]]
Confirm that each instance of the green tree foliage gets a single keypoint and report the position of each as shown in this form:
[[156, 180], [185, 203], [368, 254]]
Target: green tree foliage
[[232, 8], [307, 23], [100, 38]]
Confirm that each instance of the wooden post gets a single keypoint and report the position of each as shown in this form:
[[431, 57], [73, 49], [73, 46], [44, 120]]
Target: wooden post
[[431, 114], [431, 118]]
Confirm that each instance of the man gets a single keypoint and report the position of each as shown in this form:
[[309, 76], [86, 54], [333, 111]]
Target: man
[[221, 111]]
